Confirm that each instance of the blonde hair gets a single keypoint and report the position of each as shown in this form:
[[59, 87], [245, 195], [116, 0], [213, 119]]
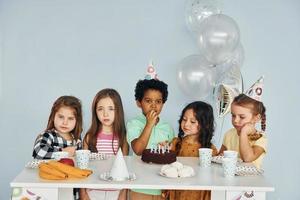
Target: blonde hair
[[257, 107]]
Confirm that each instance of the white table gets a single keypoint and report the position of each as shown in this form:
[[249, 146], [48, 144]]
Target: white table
[[148, 178]]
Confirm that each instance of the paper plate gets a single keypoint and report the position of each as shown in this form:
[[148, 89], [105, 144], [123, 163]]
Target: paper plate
[[98, 156], [218, 159], [107, 177], [244, 170], [35, 163], [162, 174]]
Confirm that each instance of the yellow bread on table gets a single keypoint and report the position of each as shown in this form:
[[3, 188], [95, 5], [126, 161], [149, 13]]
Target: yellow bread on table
[[54, 170], [45, 175], [70, 170], [47, 169]]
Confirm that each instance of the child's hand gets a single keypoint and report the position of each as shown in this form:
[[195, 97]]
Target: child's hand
[[152, 117], [164, 143], [248, 129], [71, 150]]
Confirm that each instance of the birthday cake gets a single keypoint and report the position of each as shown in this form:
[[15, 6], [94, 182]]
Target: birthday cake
[[159, 156]]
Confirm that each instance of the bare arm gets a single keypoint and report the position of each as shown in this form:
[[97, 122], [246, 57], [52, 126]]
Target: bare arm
[[248, 153], [140, 143], [83, 194], [223, 148], [125, 148]]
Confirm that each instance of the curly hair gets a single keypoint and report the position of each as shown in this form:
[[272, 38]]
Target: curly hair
[[257, 107], [153, 84], [204, 115]]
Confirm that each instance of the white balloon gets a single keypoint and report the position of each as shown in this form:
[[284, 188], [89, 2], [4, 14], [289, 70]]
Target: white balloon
[[196, 77], [197, 10], [237, 59], [218, 37]]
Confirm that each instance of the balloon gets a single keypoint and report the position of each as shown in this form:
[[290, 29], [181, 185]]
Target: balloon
[[229, 85], [197, 10], [196, 76], [218, 37], [237, 59], [224, 95]]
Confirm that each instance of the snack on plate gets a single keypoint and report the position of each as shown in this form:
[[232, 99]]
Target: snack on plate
[[177, 170], [67, 161], [54, 170]]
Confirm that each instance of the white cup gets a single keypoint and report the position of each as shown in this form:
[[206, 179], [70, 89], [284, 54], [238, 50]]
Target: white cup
[[205, 155], [229, 167], [82, 158], [230, 154], [60, 154]]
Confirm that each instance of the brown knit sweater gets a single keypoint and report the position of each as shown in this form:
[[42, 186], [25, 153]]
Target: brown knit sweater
[[187, 149]]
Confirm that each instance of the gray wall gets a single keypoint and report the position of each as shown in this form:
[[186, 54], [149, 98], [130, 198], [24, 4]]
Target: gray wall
[[52, 48]]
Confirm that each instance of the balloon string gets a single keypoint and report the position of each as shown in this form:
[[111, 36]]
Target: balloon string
[[221, 130], [242, 79]]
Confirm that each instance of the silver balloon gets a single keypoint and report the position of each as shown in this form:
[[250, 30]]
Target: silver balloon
[[218, 37], [197, 10], [237, 59], [196, 77], [232, 77], [229, 84]]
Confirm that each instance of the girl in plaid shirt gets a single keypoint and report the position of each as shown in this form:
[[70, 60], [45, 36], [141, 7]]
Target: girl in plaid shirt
[[63, 129]]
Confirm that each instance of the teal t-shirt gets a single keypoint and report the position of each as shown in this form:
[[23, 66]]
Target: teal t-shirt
[[161, 132]]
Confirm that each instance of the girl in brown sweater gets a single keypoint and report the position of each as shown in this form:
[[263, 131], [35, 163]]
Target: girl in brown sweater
[[196, 127]]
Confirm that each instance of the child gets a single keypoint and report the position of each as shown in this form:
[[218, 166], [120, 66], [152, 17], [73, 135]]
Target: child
[[106, 134], [147, 129], [246, 110], [196, 127], [63, 129]]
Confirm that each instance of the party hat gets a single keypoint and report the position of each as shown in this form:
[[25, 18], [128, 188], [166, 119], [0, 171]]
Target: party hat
[[256, 90], [119, 171], [151, 72]]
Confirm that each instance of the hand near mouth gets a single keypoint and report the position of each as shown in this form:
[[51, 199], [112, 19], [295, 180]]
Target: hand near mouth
[[248, 129], [152, 118]]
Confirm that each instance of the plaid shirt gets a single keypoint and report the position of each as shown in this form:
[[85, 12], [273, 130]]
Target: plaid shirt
[[49, 142]]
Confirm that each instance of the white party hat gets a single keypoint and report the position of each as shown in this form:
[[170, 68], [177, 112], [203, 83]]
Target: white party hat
[[256, 90], [119, 171], [226, 94], [151, 72]]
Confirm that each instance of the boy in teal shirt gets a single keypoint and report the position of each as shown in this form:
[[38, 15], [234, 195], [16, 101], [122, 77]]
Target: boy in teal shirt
[[148, 130]]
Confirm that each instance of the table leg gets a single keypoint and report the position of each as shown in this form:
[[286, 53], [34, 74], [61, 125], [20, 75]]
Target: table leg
[[217, 195], [65, 194]]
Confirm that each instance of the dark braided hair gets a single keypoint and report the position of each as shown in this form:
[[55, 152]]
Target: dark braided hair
[[257, 107], [204, 115]]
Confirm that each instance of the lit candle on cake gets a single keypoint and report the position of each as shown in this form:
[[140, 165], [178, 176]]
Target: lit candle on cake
[[163, 149]]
